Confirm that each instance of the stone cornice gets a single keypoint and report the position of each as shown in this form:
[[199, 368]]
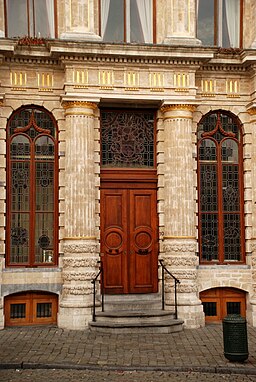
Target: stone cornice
[[58, 52], [30, 60], [223, 67], [67, 49]]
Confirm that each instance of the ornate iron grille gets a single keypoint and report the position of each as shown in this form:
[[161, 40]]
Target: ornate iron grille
[[209, 187], [232, 239], [218, 125], [33, 121], [230, 187], [220, 200], [127, 139], [209, 232]]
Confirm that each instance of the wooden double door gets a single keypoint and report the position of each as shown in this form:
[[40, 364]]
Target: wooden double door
[[129, 239]]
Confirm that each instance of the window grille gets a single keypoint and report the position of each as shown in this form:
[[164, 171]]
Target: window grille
[[127, 139]]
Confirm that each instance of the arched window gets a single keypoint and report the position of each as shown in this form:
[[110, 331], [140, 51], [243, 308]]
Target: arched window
[[31, 236], [220, 187]]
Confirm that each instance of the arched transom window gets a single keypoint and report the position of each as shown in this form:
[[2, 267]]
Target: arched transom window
[[32, 188], [220, 216]]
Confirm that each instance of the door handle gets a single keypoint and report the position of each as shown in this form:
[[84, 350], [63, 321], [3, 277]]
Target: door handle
[[143, 251], [113, 251]]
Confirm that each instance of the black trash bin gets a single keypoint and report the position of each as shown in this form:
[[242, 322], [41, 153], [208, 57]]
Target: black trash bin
[[235, 338]]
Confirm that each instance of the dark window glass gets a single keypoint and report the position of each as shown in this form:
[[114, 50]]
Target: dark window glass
[[127, 21], [210, 308], [34, 18], [44, 309], [18, 311], [205, 24], [219, 22], [233, 307]]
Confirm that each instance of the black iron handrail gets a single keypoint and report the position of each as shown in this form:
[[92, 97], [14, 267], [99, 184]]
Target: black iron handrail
[[101, 281], [176, 281]]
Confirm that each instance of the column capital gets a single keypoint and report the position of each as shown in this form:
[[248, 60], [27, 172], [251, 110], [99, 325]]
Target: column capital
[[79, 104], [174, 107], [80, 108], [252, 110]]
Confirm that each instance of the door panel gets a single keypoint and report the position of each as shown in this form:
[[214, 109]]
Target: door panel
[[114, 240], [143, 239], [129, 240]]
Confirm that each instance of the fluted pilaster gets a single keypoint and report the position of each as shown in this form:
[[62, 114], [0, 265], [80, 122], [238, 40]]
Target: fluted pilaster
[[79, 20], [179, 200], [80, 244], [181, 23], [80, 175], [179, 241]]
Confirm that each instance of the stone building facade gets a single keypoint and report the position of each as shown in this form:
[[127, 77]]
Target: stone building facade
[[162, 64]]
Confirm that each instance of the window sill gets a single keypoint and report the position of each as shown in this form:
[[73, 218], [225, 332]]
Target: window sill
[[224, 266], [38, 269]]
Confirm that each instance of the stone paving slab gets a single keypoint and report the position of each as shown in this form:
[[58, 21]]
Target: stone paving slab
[[54, 348], [116, 376]]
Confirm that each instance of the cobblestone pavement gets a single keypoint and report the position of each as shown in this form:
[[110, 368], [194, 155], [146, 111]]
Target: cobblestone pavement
[[117, 376], [195, 350]]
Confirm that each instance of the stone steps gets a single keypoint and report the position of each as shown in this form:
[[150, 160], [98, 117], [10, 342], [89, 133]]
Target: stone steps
[[135, 314], [132, 302], [168, 326]]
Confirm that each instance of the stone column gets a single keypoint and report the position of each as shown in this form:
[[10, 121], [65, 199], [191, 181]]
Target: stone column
[[180, 23], [1, 298], [2, 18], [250, 206], [179, 243], [80, 245], [79, 20]]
